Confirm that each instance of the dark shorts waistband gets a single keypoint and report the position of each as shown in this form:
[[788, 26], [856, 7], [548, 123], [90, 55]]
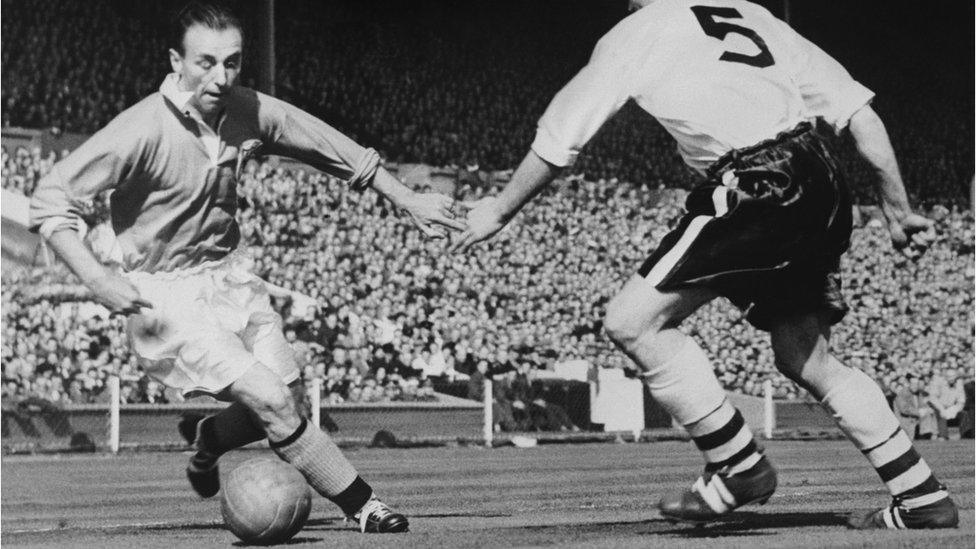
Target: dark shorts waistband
[[731, 159]]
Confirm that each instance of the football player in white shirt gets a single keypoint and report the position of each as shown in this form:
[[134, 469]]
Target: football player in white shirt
[[741, 92]]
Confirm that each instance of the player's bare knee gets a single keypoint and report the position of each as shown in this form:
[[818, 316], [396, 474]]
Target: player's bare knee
[[625, 326], [619, 327], [276, 408]]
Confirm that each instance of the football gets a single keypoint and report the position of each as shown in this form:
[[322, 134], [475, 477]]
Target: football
[[265, 501]]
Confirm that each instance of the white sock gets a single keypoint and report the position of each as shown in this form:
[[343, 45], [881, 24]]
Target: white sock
[[685, 386], [862, 413]]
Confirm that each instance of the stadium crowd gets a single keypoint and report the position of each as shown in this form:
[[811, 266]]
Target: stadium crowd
[[381, 314]]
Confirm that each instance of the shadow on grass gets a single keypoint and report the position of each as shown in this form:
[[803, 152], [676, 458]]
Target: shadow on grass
[[749, 523], [186, 526], [462, 515], [292, 541], [736, 525], [740, 524], [219, 526]]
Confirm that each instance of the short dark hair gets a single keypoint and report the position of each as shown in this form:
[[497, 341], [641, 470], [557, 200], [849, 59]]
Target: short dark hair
[[211, 15]]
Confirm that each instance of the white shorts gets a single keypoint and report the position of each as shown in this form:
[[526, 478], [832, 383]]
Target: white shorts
[[209, 324]]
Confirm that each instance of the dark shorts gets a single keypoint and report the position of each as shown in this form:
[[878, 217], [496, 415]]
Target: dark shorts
[[770, 237]]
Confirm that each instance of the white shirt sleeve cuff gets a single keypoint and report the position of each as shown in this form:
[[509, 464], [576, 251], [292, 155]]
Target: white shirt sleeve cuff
[[368, 164], [547, 149], [52, 225], [858, 98]]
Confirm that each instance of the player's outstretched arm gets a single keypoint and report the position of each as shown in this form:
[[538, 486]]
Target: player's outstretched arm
[[431, 212], [294, 133], [111, 290], [487, 216], [572, 118], [874, 145]]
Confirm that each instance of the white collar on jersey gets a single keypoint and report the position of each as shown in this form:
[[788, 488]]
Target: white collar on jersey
[[171, 90]]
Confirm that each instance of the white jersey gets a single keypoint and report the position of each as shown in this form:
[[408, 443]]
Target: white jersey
[[717, 74]]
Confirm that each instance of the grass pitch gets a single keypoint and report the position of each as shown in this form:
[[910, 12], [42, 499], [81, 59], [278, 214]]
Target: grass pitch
[[565, 495]]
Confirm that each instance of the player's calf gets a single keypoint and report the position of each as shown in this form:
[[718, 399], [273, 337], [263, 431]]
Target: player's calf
[[312, 452], [330, 474], [859, 407]]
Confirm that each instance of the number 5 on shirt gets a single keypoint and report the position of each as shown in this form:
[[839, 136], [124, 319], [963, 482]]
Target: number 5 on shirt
[[719, 29]]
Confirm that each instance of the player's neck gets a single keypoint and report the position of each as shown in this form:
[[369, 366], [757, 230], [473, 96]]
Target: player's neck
[[211, 119]]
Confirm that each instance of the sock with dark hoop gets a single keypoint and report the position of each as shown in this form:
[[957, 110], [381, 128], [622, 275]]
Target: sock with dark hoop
[[317, 457], [725, 441]]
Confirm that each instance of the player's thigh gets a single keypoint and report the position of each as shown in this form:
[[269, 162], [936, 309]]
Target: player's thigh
[[189, 352], [264, 337], [639, 307]]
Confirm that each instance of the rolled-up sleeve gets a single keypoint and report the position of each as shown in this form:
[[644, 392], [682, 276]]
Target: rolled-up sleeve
[[297, 134], [584, 104], [829, 92], [99, 164]]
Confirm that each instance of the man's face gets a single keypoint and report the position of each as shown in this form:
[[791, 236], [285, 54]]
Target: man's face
[[209, 66]]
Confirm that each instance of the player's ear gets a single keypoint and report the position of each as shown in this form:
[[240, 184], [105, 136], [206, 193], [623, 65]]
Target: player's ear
[[176, 61]]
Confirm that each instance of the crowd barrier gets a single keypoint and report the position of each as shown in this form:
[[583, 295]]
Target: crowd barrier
[[35, 425]]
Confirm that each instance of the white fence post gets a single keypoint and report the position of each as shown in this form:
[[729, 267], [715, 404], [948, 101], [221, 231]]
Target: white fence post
[[769, 410], [115, 400], [488, 429], [315, 401]]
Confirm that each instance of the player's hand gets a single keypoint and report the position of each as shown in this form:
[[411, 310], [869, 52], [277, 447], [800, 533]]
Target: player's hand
[[118, 295], [910, 229], [433, 213], [484, 220]]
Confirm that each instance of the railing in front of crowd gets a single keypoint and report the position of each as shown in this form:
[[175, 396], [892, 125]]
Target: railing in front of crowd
[[36, 425]]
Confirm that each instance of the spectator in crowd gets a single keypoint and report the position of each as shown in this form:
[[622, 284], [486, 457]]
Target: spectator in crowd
[[968, 417], [913, 411], [476, 382], [503, 409], [946, 399]]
